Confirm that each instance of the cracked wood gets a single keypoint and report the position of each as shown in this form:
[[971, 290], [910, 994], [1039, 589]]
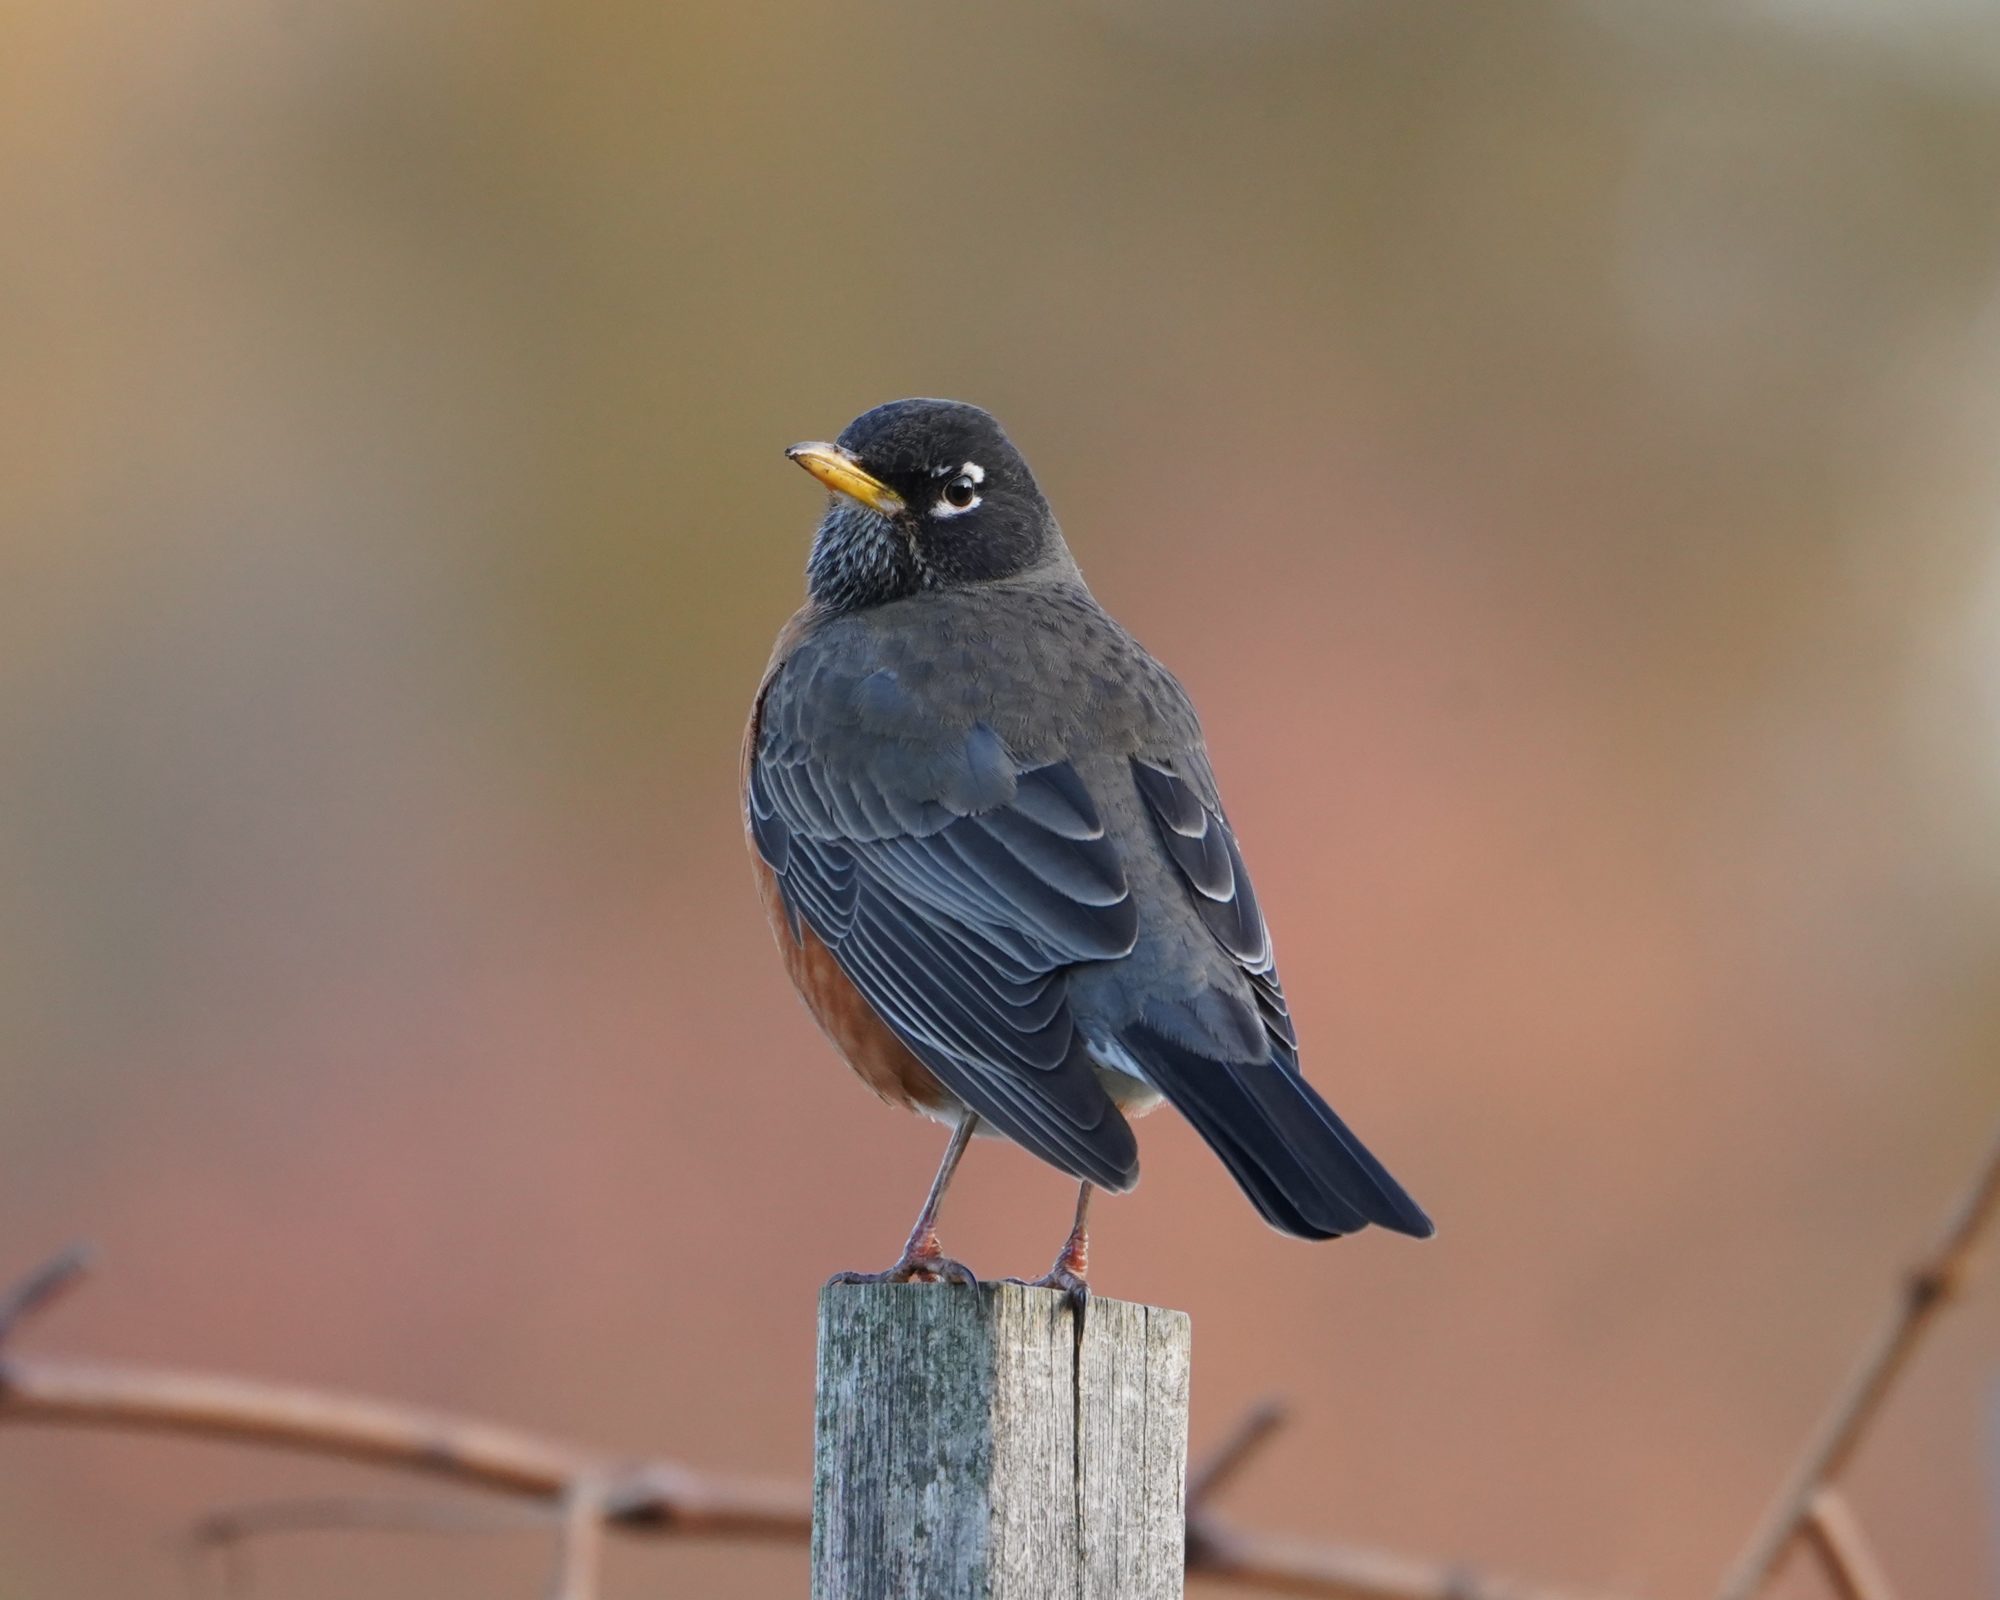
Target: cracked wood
[[973, 1445]]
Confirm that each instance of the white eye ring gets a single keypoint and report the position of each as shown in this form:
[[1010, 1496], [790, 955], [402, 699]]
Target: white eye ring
[[961, 494]]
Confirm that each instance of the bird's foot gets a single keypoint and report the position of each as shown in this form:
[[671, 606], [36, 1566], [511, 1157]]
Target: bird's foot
[[922, 1261], [1067, 1273], [1059, 1277]]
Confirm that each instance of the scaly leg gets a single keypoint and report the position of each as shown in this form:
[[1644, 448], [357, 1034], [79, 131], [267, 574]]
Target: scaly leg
[[1074, 1260], [922, 1260]]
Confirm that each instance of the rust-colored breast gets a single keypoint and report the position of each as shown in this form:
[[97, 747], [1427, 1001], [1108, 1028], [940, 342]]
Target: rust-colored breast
[[865, 1042], [878, 1057]]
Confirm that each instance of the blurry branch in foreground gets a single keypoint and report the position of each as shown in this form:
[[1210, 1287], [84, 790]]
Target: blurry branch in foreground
[[1300, 1566], [579, 1541], [1807, 1506], [582, 1494], [42, 1287], [1837, 1540]]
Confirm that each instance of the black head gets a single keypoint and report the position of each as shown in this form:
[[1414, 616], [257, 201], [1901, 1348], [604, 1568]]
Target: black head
[[928, 494]]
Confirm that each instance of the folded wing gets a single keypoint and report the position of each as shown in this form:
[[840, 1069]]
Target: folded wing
[[1301, 1166], [955, 887]]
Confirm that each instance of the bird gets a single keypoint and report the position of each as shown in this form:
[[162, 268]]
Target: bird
[[990, 846]]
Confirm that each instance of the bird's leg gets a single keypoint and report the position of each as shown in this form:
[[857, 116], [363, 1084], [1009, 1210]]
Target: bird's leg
[[1073, 1261], [923, 1260]]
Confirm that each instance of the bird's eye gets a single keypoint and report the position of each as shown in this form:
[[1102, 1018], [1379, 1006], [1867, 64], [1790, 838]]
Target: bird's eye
[[962, 493]]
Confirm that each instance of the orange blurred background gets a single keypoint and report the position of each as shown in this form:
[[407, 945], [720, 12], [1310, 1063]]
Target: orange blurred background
[[1556, 445]]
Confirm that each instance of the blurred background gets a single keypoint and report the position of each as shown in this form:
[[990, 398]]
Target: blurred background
[[1555, 443]]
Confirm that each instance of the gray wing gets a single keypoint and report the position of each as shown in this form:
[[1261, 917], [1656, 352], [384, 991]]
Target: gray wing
[[1301, 1166], [955, 886], [1197, 837]]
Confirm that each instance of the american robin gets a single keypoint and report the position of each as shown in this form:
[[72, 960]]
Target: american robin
[[991, 849]]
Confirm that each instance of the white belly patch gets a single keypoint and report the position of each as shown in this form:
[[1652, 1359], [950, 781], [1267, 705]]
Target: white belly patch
[[1122, 1077]]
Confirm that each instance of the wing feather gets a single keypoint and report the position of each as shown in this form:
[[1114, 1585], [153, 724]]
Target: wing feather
[[1198, 839], [956, 889], [1300, 1164]]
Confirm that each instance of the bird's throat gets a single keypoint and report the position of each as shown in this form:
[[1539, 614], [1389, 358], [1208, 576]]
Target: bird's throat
[[861, 559]]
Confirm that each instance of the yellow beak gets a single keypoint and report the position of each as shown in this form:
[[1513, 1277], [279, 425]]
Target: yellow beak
[[840, 472]]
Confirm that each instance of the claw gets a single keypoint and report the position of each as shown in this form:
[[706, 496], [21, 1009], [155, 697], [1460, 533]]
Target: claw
[[1060, 1277], [1070, 1266], [922, 1261], [916, 1266]]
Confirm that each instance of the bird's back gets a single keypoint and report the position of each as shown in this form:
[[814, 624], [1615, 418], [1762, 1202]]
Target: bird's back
[[897, 721]]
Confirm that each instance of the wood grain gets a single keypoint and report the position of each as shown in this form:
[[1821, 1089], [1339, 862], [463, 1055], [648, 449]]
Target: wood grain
[[971, 1445]]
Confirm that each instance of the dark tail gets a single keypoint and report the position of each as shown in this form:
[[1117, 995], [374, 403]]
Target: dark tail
[[1295, 1159]]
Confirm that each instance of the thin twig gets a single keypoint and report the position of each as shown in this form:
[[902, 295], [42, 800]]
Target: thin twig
[[235, 1525], [221, 1540], [1299, 1566], [1281, 1565], [1833, 1533], [579, 1542], [232, 1561], [43, 1287], [1252, 1432], [1924, 1292]]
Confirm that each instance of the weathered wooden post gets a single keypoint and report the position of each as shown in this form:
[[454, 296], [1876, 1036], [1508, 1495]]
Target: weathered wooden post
[[973, 1445]]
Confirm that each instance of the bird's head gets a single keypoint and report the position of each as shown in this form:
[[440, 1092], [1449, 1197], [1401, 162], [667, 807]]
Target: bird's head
[[927, 495]]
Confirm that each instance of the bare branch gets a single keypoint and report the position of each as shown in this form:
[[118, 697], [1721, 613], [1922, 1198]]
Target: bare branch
[[480, 1455], [43, 1287], [1298, 1566], [650, 1497], [1925, 1290], [1833, 1533], [1252, 1432], [222, 1538], [235, 1525], [579, 1542], [594, 1492], [1283, 1565]]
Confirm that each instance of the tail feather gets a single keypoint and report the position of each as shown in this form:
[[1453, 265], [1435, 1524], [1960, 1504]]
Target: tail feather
[[1301, 1166]]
